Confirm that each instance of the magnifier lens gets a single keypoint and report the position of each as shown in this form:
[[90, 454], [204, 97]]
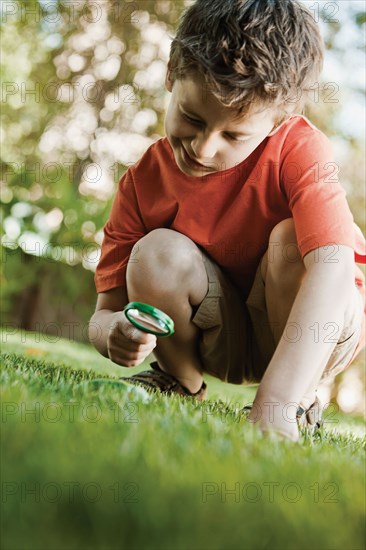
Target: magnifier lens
[[148, 321]]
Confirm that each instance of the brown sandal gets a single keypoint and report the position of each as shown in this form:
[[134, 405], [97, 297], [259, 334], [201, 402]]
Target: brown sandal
[[310, 418], [165, 383]]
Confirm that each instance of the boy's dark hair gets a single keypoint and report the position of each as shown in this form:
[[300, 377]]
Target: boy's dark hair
[[267, 52]]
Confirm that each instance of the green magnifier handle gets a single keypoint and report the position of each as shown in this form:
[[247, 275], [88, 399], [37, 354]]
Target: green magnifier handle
[[149, 319]]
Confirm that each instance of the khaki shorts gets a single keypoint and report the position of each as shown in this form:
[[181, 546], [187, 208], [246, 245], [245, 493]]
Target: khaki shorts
[[236, 342]]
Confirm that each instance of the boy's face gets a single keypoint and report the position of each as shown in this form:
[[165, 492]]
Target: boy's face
[[204, 135]]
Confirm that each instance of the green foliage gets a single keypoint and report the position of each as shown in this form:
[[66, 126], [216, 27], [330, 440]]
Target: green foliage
[[64, 304], [361, 18], [54, 85], [59, 103]]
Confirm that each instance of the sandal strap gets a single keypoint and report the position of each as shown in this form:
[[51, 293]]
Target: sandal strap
[[311, 417], [155, 366]]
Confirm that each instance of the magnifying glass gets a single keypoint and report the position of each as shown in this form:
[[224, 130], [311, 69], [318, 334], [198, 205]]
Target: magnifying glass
[[149, 319]]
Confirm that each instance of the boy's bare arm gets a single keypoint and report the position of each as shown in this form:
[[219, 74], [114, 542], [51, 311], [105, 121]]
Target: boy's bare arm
[[108, 303], [324, 295], [113, 335]]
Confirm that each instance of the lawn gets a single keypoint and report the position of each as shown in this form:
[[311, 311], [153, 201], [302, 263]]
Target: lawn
[[95, 467]]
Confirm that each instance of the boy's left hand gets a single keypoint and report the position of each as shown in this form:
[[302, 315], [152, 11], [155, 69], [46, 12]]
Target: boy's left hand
[[275, 417]]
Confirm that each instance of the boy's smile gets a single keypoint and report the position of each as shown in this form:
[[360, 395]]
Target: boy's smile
[[205, 136]]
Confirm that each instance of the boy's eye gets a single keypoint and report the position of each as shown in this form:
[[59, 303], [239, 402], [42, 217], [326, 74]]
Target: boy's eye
[[232, 138], [198, 123], [191, 120]]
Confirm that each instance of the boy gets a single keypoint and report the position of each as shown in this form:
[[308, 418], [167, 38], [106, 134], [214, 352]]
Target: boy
[[235, 224]]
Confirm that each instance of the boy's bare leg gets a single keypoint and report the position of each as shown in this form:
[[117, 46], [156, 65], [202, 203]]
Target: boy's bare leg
[[168, 272]]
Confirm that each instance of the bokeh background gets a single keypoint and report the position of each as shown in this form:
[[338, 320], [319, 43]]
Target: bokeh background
[[82, 98]]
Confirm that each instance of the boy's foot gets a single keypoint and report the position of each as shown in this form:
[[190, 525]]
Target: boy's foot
[[311, 417], [165, 383]]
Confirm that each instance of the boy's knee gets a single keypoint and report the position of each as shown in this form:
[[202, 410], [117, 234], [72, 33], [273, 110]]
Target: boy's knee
[[163, 251], [283, 252], [283, 233], [282, 246]]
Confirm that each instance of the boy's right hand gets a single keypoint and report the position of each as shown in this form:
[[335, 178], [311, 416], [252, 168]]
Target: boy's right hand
[[127, 345]]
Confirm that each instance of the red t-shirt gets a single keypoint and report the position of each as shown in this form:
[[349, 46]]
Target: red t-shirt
[[230, 214]]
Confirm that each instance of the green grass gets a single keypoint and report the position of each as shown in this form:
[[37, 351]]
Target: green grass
[[108, 469]]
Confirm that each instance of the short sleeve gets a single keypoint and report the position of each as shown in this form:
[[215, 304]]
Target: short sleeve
[[122, 230], [309, 178]]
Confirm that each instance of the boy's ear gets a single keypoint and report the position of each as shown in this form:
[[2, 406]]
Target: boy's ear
[[168, 82]]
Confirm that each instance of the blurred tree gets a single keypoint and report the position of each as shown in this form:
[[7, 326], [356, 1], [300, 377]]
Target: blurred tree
[[82, 100]]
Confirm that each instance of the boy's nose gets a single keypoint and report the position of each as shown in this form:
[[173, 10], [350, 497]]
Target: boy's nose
[[204, 147]]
